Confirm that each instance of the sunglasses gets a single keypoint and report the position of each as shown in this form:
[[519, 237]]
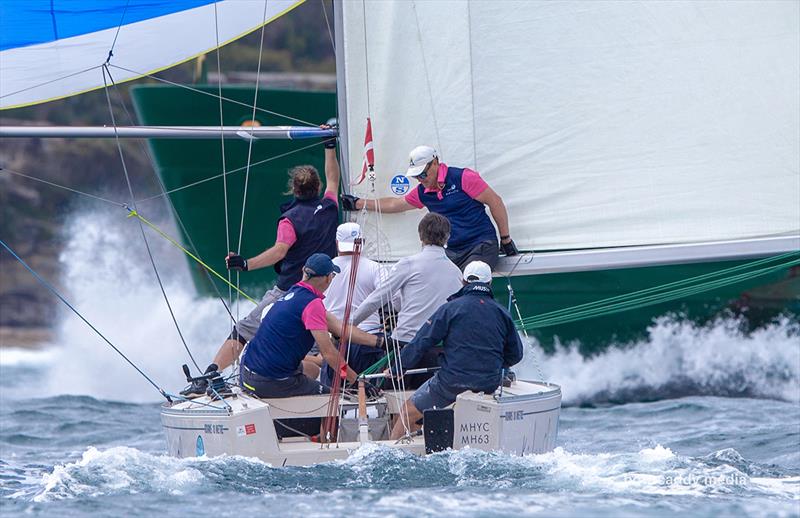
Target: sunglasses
[[424, 173]]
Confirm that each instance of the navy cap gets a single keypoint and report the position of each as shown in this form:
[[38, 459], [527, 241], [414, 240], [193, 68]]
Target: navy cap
[[320, 264]]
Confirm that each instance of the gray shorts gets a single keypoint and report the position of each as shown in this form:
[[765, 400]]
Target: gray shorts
[[245, 329], [297, 384], [432, 394], [486, 251]]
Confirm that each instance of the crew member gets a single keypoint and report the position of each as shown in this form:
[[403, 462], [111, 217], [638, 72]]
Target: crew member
[[460, 195], [419, 284], [272, 365], [479, 338], [369, 275], [307, 225]]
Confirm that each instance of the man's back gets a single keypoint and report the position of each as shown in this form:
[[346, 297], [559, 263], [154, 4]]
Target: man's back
[[423, 282], [479, 340], [368, 279]]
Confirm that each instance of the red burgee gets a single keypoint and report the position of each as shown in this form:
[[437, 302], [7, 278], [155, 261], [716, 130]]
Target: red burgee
[[369, 154]]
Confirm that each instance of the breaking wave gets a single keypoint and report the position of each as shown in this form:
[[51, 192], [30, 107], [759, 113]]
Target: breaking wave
[[679, 359]]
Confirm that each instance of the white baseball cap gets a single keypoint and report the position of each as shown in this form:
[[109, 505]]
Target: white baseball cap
[[346, 234], [419, 157], [478, 271]]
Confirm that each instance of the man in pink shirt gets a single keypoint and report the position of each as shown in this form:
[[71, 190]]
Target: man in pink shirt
[[460, 195]]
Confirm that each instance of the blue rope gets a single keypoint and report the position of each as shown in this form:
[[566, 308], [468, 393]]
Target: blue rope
[[57, 294]]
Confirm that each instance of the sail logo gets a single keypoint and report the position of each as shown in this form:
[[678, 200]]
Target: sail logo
[[400, 185]]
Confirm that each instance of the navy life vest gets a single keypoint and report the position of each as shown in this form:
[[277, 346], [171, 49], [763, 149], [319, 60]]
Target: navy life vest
[[282, 341], [469, 223], [314, 223]]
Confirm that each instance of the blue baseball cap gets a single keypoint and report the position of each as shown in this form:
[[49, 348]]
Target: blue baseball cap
[[320, 264]]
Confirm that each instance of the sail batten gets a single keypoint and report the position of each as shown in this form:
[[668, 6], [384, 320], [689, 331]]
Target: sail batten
[[601, 124]]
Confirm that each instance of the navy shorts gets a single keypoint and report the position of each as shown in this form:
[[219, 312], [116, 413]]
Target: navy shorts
[[432, 394], [297, 384], [486, 251]]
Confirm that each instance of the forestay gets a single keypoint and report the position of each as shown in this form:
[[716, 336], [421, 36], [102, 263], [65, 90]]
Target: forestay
[[602, 124], [51, 49]]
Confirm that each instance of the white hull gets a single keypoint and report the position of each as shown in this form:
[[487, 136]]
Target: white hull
[[524, 419]]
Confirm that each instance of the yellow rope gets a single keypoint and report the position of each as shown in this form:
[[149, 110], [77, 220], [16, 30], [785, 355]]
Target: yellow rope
[[134, 214]]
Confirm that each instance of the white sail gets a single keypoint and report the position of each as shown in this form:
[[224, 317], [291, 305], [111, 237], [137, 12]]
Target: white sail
[[601, 124]]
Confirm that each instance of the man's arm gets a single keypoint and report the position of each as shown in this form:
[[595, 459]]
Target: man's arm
[[433, 331], [332, 172], [497, 208], [330, 353], [383, 294], [388, 205], [512, 351], [358, 336]]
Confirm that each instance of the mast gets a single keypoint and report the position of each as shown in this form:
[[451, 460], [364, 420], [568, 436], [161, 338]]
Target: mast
[[341, 89]]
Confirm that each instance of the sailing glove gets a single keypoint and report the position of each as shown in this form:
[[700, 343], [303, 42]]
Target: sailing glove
[[349, 202], [330, 142], [370, 390], [509, 248], [236, 262]]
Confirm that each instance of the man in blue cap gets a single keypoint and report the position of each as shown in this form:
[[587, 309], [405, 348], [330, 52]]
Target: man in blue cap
[[272, 365]]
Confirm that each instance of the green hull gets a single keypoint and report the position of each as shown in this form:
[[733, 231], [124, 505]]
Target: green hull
[[201, 208]]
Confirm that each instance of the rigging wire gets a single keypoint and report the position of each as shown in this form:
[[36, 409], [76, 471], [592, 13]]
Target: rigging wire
[[232, 171], [222, 146], [141, 225], [55, 292], [146, 151], [427, 77], [328, 24], [210, 94], [116, 34], [89, 69], [59, 186], [250, 144]]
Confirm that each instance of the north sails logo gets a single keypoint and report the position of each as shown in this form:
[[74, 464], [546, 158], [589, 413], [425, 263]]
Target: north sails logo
[[319, 208]]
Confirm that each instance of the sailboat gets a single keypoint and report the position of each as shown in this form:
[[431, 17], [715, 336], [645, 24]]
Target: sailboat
[[618, 135]]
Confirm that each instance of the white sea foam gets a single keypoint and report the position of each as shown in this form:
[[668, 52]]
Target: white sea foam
[[109, 279], [680, 358], [532, 479], [13, 357]]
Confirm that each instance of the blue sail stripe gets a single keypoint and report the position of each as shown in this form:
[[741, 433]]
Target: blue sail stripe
[[31, 22]]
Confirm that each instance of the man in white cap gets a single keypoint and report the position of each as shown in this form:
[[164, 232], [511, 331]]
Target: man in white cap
[[479, 341], [460, 195], [368, 279]]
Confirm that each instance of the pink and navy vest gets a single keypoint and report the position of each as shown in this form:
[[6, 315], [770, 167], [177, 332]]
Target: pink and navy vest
[[282, 341], [470, 225]]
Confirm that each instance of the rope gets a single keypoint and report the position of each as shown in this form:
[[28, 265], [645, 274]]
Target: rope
[[135, 214], [50, 287], [116, 34], [51, 81], [112, 202], [650, 296], [141, 227]]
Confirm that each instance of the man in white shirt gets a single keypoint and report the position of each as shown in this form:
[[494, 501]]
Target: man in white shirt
[[368, 279], [420, 284]]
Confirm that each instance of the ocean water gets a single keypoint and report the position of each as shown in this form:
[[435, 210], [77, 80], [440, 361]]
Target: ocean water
[[699, 421]]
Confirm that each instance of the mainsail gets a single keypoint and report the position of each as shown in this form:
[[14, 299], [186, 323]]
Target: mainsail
[[51, 49], [601, 124]]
